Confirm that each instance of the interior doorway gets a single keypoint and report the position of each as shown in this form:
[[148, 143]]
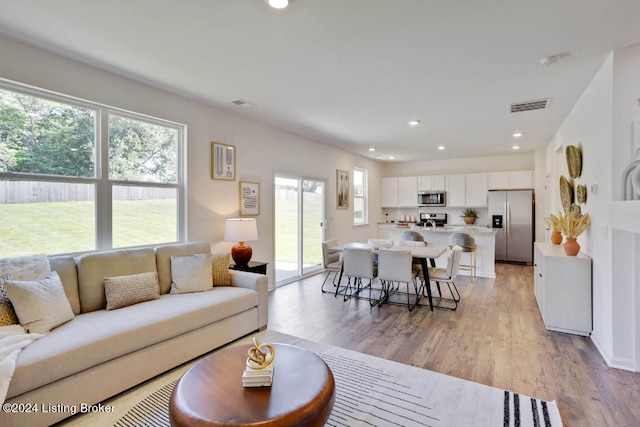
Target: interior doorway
[[299, 217]]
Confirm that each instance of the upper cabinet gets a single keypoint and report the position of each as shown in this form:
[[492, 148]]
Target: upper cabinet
[[432, 183], [456, 190], [407, 191], [476, 190], [399, 192], [515, 180], [389, 193]]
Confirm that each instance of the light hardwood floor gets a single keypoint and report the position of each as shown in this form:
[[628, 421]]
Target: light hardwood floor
[[496, 337]]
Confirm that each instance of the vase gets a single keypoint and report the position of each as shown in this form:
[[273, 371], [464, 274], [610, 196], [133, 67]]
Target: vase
[[571, 246], [469, 219], [556, 237]]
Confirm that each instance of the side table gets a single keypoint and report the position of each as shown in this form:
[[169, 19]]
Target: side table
[[252, 267]]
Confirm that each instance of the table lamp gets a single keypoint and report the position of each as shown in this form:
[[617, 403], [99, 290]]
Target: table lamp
[[241, 230]]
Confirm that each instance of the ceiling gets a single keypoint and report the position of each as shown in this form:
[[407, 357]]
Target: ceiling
[[352, 73]]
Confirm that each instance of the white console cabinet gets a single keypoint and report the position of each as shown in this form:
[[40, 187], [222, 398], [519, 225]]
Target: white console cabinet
[[562, 286]]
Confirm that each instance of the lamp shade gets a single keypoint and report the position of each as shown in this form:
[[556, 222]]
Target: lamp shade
[[240, 230]]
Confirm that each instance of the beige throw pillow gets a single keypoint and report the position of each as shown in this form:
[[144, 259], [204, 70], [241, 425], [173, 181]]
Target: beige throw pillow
[[121, 291], [7, 314], [40, 304], [191, 273], [220, 269]]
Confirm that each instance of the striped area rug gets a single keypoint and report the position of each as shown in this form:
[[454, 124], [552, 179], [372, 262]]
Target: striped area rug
[[376, 392]]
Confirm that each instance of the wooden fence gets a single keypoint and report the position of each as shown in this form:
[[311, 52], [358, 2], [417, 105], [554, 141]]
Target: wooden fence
[[40, 192]]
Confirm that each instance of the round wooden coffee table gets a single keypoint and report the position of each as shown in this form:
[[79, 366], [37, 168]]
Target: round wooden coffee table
[[210, 393]]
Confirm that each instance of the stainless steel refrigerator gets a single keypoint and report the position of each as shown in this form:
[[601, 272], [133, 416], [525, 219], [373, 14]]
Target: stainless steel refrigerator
[[511, 214]]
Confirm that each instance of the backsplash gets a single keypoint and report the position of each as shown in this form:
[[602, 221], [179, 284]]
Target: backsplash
[[453, 215]]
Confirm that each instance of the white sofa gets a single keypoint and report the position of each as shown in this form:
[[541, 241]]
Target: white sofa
[[100, 353]]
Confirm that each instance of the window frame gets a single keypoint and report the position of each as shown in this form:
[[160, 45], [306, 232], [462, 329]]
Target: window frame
[[364, 197], [101, 182]]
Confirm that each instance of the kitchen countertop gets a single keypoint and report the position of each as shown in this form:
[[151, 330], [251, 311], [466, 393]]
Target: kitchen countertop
[[446, 229]]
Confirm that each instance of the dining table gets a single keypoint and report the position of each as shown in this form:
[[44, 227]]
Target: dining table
[[423, 254]]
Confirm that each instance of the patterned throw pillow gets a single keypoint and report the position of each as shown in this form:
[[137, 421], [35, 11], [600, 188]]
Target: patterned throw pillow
[[220, 269], [122, 291], [191, 273], [7, 314], [40, 304]]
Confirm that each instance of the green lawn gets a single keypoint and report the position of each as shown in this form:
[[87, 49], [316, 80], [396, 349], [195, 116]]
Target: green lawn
[[69, 226], [286, 233]]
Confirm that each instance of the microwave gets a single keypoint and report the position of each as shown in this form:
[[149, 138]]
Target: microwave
[[432, 198]]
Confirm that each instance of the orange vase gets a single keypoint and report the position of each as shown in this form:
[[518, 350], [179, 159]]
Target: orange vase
[[556, 237], [571, 246]]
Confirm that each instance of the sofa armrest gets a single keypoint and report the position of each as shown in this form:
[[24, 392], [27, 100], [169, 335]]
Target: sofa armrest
[[258, 283]]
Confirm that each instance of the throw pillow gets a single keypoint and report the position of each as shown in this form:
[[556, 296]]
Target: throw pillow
[[40, 304], [122, 291], [220, 269], [191, 273], [29, 267], [7, 314]]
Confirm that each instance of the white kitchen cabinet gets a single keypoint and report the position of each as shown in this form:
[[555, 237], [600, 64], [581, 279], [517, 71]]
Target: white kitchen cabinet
[[513, 180], [476, 190], [456, 191], [431, 183], [408, 191], [562, 287], [389, 193]]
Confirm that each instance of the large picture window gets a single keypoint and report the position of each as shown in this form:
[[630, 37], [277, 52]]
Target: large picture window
[[77, 176]]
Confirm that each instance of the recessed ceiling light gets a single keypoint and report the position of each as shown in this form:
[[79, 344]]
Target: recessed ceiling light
[[517, 134], [278, 4], [516, 147], [372, 149], [414, 122], [392, 157], [440, 147]]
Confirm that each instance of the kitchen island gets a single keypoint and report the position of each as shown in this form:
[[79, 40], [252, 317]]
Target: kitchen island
[[485, 243]]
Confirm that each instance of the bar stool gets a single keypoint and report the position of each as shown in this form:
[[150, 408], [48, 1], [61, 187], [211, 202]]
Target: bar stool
[[468, 245]]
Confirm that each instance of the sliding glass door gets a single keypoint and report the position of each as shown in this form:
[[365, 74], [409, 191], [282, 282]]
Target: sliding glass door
[[299, 232]]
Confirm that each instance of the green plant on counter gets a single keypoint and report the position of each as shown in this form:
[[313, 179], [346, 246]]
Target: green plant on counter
[[469, 213]]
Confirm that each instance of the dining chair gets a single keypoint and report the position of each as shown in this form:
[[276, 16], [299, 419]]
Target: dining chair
[[395, 268], [358, 265], [412, 235], [447, 275], [331, 261]]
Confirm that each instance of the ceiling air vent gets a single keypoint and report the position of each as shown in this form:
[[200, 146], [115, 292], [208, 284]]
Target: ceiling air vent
[[539, 104], [242, 103]]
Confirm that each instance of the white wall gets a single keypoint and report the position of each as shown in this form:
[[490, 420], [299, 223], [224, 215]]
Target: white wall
[[262, 150], [589, 126], [512, 162]]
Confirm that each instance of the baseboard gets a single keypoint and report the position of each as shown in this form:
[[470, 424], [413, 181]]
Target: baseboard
[[614, 362]]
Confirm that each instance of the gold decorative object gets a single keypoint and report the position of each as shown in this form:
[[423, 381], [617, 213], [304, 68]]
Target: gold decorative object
[[573, 225], [574, 161], [258, 358], [581, 194], [575, 210], [566, 193]]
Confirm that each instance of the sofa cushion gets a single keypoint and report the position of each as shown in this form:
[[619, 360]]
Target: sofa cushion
[[220, 269], [65, 265], [7, 313], [163, 259], [40, 304], [96, 337], [93, 268], [190, 273], [122, 291]]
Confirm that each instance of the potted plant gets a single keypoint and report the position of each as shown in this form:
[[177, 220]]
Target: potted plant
[[469, 215], [554, 223], [572, 225]]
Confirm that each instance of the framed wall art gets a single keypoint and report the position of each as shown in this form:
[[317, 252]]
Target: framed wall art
[[249, 198], [223, 161], [342, 189]]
